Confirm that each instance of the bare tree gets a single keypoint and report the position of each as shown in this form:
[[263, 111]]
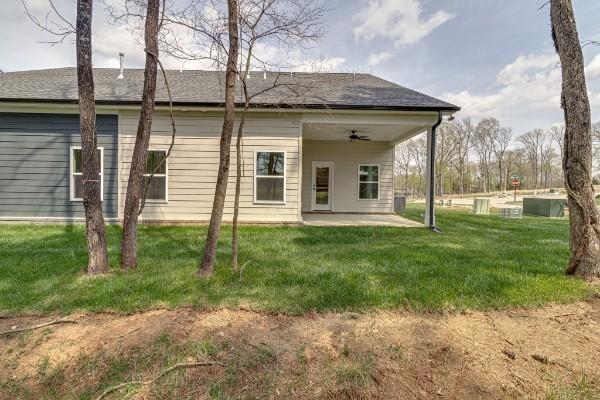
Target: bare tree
[[533, 143], [54, 23], [463, 136], [445, 149], [577, 157], [142, 141], [403, 157], [290, 23], [500, 146], [548, 156], [483, 142], [557, 134], [60, 28], [418, 150], [210, 248], [94, 217]]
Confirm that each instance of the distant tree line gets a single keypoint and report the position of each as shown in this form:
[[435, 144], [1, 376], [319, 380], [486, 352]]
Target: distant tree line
[[482, 157]]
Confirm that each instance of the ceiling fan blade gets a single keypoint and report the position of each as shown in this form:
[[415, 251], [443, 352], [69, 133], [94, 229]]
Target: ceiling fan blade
[[365, 138]]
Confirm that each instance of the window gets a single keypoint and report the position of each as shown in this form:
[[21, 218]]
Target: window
[[77, 173], [368, 182], [158, 186], [269, 177]]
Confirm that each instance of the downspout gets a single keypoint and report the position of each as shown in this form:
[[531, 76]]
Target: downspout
[[431, 222]]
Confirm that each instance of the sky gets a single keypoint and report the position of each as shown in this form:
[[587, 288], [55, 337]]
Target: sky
[[492, 58]]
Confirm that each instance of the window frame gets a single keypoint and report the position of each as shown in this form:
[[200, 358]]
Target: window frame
[[378, 182], [72, 173], [256, 201], [166, 175]]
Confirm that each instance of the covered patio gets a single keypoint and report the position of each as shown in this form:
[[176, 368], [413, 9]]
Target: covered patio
[[347, 219], [348, 161]]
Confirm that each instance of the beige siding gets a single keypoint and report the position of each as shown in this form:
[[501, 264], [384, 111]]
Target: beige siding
[[194, 162], [346, 156]]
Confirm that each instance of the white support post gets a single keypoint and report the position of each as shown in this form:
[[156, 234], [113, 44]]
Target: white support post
[[428, 182]]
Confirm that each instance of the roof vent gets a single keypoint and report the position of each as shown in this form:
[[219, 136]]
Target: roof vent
[[121, 57]]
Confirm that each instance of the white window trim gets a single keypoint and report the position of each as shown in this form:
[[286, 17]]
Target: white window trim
[[378, 182], [166, 175], [72, 172], [271, 176]]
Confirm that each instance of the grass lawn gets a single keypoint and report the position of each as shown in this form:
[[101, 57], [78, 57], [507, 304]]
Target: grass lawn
[[479, 262]]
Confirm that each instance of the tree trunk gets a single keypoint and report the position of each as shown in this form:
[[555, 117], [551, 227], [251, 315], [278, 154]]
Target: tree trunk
[[577, 158], [210, 248], [135, 186], [500, 177], [92, 203], [238, 184]]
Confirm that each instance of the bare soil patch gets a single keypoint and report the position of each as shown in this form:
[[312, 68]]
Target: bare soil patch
[[549, 352]]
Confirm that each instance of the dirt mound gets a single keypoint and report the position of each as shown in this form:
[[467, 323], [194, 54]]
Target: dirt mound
[[533, 353]]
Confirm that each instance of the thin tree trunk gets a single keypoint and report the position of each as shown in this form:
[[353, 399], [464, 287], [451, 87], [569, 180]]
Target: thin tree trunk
[[239, 159], [142, 140], [577, 158], [210, 248], [500, 177], [94, 218], [238, 184]]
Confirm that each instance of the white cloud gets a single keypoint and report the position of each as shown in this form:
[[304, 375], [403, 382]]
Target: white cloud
[[279, 58], [525, 68], [377, 58], [529, 83], [592, 70], [397, 20], [523, 90]]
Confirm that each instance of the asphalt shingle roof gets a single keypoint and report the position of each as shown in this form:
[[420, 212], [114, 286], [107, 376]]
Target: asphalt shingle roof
[[310, 90]]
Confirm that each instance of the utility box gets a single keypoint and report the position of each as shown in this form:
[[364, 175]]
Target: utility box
[[481, 206], [399, 203], [544, 206], [510, 212]]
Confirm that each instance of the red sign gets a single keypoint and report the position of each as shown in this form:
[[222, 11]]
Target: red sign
[[516, 182]]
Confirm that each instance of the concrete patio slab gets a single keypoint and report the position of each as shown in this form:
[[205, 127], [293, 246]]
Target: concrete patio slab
[[331, 219]]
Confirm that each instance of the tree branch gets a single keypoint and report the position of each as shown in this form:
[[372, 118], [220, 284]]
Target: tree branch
[[159, 376]]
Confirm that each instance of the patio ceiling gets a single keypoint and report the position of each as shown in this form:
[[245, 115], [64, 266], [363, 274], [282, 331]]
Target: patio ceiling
[[378, 127]]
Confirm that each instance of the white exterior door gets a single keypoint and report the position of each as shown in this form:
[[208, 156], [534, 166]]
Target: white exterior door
[[322, 185]]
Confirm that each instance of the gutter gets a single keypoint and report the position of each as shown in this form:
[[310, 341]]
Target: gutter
[[307, 106], [431, 222]]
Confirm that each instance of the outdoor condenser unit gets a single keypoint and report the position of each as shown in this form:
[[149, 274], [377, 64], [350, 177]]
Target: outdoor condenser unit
[[544, 206], [481, 206]]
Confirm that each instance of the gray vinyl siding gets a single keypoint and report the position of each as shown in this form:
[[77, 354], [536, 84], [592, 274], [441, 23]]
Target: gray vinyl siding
[[35, 165]]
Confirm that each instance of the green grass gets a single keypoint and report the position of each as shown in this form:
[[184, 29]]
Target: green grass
[[479, 262]]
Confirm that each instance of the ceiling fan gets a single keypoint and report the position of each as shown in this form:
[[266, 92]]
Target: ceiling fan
[[355, 137]]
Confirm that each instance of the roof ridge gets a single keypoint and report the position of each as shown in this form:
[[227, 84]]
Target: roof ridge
[[198, 70]]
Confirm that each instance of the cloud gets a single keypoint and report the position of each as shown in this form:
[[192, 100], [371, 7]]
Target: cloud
[[279, 58], [397, 20], [377, 58], [531, 82], [592, 70], [523, 89]]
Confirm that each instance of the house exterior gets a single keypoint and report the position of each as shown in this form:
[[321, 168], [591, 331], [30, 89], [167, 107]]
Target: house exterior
[[297, 153]]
